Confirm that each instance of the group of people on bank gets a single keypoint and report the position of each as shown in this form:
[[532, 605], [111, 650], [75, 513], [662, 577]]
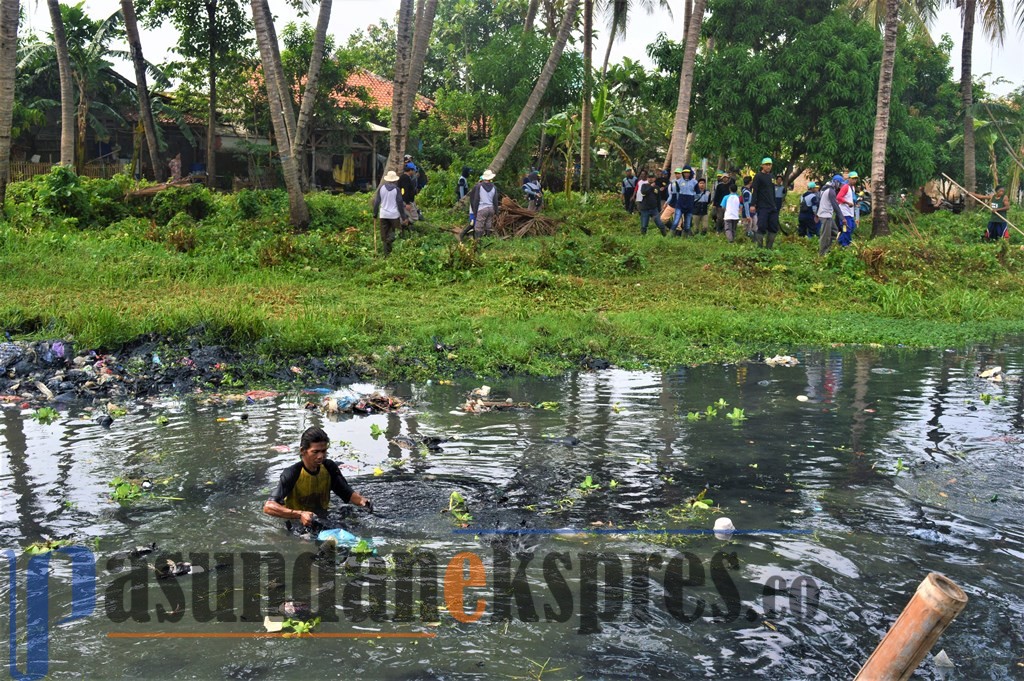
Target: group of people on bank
[[681, 205], [685, 205]]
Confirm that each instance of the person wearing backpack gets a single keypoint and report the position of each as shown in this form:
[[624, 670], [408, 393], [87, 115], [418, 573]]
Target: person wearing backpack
[[534, 192], [808, 217]]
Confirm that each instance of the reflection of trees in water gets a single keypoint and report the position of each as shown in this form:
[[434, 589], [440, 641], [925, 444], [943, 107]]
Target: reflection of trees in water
[[937, 403], [22, 487]]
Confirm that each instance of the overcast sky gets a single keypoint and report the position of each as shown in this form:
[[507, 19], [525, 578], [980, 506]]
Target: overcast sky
[[350, 15]]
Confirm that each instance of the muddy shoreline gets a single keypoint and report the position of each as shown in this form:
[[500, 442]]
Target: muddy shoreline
[[37, 373]]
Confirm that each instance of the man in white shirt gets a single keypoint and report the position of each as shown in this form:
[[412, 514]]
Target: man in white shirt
[[390, 208]]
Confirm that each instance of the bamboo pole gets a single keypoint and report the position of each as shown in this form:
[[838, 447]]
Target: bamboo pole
[[982, 203], [937, 601]]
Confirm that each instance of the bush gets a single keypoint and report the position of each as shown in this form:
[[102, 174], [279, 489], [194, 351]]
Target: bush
[[63, 195], [336, 212], [196, 200]]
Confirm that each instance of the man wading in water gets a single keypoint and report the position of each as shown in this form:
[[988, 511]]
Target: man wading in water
[[304, 491]]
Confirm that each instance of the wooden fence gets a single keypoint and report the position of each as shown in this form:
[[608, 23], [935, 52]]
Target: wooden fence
[[23, 170]]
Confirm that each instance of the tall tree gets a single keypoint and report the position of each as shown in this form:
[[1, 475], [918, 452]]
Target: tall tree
[[880, 216], [10, 12], [531, 15], [67, 91], [131, 27], [680, 125], [530, 108], [208, 32], [993, 22], [618, 13], [588, 93], [272, 68], [316, 60], [417, 60], [403, 52]]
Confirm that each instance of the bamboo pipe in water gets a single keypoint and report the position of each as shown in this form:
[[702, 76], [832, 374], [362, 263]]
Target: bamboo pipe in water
[[937, 601]]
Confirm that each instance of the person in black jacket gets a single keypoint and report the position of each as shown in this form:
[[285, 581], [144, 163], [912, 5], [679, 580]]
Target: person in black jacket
[[407, 185], [762, 205], [721, 191], [650, 205]]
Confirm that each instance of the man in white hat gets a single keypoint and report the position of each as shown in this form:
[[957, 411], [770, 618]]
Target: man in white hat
[[390, 208], [483, 200]]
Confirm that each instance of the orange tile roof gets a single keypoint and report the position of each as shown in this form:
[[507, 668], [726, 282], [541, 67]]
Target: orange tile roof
[[380, 90]]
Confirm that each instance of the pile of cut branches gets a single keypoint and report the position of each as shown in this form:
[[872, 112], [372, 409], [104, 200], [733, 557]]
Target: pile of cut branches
[[514, 221], [155, 189]]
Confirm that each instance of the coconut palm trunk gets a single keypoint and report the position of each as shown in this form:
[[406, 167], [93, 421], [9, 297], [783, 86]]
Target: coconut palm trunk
[[316, 60], [9, 15], [880, 215], [403, 54], [417, 60], [531, 15], [586, 125], [970, 10], [131, 25], [298, 210], [530, 108], [211, 78], [67, 88], [682, 119]]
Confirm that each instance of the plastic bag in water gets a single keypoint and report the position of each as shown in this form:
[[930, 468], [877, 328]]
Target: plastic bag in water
[[347, 539]]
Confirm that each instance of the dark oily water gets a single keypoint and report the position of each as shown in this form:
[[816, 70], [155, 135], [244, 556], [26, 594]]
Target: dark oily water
[[889, 466]]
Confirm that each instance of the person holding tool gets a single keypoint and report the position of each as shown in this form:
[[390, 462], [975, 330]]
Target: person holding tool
[[304, 491]]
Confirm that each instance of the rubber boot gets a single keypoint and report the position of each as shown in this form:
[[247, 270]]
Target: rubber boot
[[759, 239], [770, 241]]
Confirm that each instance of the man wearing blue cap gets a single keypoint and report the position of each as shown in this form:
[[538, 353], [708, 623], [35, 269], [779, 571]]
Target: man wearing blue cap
[[762, 205]]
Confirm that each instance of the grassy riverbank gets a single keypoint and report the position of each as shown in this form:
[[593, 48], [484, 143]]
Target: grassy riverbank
[[532, 305]]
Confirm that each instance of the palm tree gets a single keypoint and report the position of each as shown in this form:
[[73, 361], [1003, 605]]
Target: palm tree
[[272, 70], [880, 216], [618, 12], [67, 93], [131, 26], [993, 22], [530, 108], [316, 61], [9, 14], [588, 93], [679, 127], [916, 14], [417, 59], [403, 49]]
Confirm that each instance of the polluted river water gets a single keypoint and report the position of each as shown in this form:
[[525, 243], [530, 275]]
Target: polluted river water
[[581, 547]]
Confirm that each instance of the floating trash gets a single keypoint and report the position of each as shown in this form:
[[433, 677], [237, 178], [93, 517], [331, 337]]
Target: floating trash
[[724, 529], [883, 370], [782, 361]]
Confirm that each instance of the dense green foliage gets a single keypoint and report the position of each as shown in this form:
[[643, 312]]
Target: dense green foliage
[[231, 264]]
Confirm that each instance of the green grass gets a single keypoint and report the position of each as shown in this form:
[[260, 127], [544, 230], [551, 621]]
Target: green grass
[[532, 305]]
